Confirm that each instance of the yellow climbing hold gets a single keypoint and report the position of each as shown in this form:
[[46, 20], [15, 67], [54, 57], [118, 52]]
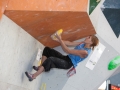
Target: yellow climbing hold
[[58, 32], [39, 63], [43, 86]]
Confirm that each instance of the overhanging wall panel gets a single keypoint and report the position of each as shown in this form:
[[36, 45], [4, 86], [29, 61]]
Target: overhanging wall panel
[[42, 22], [48, 5]]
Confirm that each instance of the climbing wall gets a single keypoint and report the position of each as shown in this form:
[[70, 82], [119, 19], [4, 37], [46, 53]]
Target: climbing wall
[[3, 5], [92, 5], [111, 10], [18, 52], [6, 86], [84, 79], [102, 25], [42, 18]]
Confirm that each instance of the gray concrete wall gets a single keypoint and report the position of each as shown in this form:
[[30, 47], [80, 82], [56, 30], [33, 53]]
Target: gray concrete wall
[[18, 52], [105, 31], [115, 79]]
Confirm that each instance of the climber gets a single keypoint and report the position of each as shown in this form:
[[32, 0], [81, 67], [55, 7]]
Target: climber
[[53, 59]]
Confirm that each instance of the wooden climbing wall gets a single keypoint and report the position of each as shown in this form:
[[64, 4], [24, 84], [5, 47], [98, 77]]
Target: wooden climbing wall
[[42, 18], [3, 5]]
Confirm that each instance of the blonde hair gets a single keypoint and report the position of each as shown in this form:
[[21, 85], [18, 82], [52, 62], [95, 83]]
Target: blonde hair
[[95, 41]]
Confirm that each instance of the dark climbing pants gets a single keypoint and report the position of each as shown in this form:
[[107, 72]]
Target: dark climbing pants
[[55, 60]]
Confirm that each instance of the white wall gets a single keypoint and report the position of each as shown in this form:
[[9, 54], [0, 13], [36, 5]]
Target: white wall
[[86, 79], [17, 54], [103, 28]]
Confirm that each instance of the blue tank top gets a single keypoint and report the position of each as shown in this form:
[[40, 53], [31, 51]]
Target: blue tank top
[[76, 59]]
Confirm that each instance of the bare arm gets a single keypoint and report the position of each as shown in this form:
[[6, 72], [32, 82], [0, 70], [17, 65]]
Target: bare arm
[[69, 43], [81, 53]]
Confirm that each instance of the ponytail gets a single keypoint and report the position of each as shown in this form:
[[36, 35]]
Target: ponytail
[[95, 42], [93, 47]]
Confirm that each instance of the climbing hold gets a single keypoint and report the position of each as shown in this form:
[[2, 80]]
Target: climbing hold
[[58, 32], [43, 86], [93, 5], [39, 63], [114, 63]]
